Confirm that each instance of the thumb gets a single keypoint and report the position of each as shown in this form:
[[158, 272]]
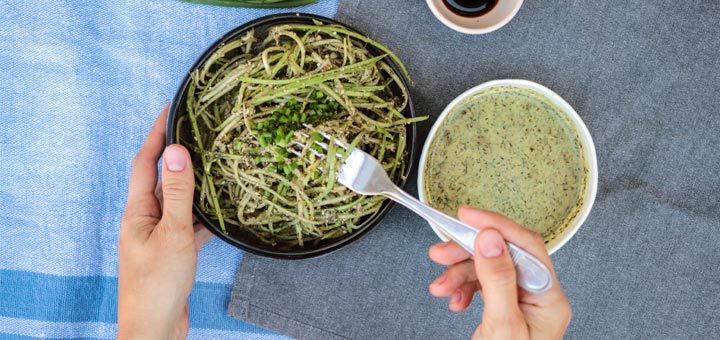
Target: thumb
[[178, 187], [497, 277]]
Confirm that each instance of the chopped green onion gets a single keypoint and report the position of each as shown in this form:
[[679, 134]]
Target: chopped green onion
[[263, 142]]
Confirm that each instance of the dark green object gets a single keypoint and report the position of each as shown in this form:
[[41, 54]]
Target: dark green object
[[253, 3]]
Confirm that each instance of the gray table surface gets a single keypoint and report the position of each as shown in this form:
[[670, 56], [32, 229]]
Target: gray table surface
[[645, 77]]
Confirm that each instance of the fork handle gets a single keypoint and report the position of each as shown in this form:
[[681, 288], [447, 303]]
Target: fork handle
[[532, 274]]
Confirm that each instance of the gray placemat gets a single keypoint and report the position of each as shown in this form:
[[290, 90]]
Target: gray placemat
[[644, 77]]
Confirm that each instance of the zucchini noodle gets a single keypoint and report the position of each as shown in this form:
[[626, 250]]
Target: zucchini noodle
[[254, 103]]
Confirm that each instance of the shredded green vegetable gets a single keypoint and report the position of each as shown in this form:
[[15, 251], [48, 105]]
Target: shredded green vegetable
[[249, 107]]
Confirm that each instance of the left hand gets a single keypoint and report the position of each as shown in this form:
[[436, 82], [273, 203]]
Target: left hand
[[158, 243]]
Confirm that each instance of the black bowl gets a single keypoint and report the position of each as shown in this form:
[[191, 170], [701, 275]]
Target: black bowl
[[236, 235]]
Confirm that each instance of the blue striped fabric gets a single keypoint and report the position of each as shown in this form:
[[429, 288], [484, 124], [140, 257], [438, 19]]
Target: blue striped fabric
[[80, 84]]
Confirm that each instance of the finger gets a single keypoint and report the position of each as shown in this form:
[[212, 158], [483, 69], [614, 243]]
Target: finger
[[454, 277], [497, 276], [526, 239], [159, 194], [510, 230], [182, 326], [448, 253], [462, 297], [178, 187], [202, 235], [143, 177], [530, 241]]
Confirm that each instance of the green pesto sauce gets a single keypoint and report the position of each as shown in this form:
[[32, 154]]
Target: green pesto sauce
[[512, 151]]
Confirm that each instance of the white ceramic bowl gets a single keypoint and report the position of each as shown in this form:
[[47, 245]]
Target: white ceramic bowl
[[503, 12], [588, 196]]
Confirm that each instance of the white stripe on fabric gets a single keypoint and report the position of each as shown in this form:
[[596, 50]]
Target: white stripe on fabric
[[212, 334], [102, 330], [62, 330]]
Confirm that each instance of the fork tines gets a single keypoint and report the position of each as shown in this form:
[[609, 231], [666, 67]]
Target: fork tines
[[321, 144]]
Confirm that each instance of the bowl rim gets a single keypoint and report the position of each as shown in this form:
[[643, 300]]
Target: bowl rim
[[371, 222], [583, 132], [467, 30]]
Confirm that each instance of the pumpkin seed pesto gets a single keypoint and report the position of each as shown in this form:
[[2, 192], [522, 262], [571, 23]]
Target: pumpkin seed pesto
[[509, 150]]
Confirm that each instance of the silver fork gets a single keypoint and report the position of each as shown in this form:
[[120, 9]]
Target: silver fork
[[364, 175]]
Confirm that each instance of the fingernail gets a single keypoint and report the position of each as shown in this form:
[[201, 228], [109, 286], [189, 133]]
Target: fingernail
[[440, 280], [491, 244], [175, 159], [455, 299]]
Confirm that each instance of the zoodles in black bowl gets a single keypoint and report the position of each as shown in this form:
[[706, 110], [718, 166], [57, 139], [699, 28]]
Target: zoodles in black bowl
[[257, 102]]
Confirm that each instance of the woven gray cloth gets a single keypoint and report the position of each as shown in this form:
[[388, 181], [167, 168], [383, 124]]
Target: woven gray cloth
[[644, 75]]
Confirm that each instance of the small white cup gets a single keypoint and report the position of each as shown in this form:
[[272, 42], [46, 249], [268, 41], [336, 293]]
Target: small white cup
[[503, 12]]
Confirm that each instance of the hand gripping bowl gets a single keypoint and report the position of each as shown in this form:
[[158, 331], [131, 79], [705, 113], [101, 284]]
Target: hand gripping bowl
[[238, 236]]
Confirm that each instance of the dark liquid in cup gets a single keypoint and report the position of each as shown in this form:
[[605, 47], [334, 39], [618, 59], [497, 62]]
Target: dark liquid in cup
[[470, 8]]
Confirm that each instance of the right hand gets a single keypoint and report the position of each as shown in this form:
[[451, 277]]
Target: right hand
[[510, 312]]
